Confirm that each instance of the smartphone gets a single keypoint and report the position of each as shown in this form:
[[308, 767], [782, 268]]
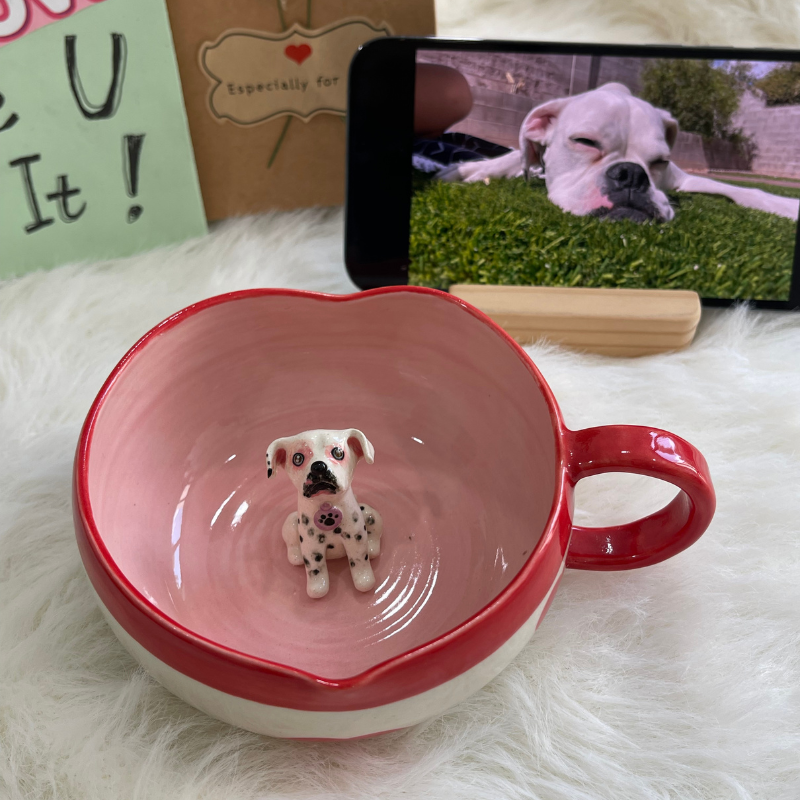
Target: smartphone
[[530, 163]]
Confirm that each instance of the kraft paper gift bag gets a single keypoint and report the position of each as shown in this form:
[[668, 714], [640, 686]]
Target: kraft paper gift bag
[[265, 86]]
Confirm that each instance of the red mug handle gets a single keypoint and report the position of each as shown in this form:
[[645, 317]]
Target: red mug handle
[[643, 451]]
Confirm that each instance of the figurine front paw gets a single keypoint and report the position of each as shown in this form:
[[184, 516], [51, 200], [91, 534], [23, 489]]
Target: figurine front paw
[[317, 585], [374, 524], [291, 538], [363, 576]]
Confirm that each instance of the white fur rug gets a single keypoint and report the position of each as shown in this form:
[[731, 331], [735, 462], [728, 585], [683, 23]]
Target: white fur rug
[[678, 681]]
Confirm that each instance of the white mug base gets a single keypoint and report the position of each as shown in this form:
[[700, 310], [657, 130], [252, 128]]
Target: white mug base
[[299, 724]]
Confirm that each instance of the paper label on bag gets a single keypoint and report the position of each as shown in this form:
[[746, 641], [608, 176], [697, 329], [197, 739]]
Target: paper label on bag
[[258, 76]]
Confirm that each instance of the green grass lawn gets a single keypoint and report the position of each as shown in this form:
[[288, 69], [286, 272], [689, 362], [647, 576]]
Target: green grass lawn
[[508, 232]]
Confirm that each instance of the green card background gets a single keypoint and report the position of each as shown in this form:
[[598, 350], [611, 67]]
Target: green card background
[[35, 85]]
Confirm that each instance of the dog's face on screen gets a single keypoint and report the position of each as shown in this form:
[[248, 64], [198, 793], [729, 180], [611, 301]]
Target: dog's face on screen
[[604, 152]]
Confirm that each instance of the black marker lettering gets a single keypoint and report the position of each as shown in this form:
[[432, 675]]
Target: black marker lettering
[[132, 150], [62, 195], [11, 121], [118, 60], [30, 192]]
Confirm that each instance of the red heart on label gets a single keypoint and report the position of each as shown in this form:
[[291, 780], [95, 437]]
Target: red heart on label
[[298, 52]]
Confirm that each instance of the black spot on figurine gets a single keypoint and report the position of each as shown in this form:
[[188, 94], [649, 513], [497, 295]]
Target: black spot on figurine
[[347, 535], [317, 556], [358, 537], [305, 520], [301, 538], [352, 563], [330, 547], [337, 530], [321, 538], [366, 556], [305, 561], [355, 517], [315, 572], [370, 520], [361, 507], [269, 473]]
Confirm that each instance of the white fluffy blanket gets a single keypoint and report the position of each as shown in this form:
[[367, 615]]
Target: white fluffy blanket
[[678, 681]]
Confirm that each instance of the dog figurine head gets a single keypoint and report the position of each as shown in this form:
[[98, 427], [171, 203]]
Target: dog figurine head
[[320, 463]]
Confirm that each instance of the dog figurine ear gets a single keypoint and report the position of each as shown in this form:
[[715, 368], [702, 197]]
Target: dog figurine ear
[[276, 455], [536, 130], [360, 445]]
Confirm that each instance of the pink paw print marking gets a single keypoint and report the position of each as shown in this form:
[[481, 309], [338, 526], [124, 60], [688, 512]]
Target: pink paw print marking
[[327, 517]]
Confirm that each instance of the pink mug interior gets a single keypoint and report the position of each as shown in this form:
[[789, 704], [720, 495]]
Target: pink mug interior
[[465, 470]]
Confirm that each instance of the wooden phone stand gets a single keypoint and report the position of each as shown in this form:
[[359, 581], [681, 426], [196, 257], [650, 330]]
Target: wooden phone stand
[[617, 322]]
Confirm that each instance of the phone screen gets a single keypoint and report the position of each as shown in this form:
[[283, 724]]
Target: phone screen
[[557, 169]]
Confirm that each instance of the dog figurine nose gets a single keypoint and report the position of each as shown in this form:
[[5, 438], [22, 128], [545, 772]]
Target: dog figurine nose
[[319, 467], [627, 175]]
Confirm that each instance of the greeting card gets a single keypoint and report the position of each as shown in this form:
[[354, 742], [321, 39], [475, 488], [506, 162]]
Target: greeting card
[[95, 153]]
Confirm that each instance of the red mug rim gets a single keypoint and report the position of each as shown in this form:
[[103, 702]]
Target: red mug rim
[[83, 506]]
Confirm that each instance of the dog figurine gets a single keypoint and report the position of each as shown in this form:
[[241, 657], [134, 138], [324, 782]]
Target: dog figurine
[[329, 522]]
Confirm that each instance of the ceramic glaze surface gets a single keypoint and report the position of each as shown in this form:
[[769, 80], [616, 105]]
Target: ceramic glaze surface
[[465, 478]]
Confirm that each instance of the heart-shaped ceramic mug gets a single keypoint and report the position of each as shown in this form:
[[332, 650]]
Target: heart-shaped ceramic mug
[[474, 472]]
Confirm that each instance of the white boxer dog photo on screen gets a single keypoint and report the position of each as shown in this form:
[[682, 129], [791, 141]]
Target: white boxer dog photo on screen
[[607, 153]]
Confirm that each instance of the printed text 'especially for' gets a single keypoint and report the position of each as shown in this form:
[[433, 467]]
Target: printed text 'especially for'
[[278, 85]]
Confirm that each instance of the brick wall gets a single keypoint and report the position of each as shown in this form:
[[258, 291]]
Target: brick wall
[[622, 70], [496, 116], [539, 78], [776, 132], [506, 86], [688, 152]]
